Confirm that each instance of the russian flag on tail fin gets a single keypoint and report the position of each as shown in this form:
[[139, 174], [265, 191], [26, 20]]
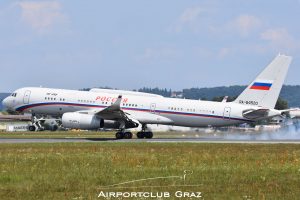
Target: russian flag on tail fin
[[265, 88], [261, 86]]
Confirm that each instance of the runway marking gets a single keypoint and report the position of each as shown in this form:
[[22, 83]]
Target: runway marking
[[156, 140]]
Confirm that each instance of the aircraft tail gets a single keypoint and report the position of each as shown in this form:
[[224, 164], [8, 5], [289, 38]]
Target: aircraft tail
[[265, 89]]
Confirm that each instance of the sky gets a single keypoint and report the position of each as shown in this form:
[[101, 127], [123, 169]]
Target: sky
[[136, 43]]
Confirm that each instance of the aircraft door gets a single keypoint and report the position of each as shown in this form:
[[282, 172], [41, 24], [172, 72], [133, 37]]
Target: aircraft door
[[26, 97], [226, 114], [152, 107]]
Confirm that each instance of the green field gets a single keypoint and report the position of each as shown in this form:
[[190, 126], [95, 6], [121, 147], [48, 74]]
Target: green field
[[57, 134], [81, 171]]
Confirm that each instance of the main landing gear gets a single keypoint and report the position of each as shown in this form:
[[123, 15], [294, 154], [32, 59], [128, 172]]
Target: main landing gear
[[144, 133], [122, 134]]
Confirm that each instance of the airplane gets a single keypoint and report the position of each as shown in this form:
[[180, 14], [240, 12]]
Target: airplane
[[123, 110]]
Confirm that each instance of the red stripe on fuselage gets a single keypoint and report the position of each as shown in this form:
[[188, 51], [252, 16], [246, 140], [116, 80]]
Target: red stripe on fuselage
[[135, 109]]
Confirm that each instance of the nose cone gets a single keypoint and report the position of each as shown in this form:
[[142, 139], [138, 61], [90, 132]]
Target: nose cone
[[5, 103]]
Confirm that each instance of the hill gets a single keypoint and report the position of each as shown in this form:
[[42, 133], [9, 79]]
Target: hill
[[290, 93]]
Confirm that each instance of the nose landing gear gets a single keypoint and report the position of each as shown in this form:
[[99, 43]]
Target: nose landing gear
[[36, 124], [31, 128]]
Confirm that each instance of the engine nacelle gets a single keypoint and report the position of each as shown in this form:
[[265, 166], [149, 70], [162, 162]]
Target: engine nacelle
[[109, 124], [87, 122], [80, 121]]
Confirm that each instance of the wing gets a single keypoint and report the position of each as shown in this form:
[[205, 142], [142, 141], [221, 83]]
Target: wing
[[114, 112], [149, 118], [130, 118]]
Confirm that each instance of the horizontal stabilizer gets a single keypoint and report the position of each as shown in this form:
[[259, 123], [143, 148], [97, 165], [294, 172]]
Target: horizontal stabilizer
[[255, 114]]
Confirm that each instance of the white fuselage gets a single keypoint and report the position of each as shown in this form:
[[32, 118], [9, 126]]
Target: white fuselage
[[182, 112]]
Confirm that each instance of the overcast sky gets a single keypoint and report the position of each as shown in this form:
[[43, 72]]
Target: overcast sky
[[134, 43]]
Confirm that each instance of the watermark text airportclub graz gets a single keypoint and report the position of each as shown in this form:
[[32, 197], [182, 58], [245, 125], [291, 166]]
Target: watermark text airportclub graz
[[177, 194]]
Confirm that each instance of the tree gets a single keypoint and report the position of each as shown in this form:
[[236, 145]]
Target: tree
[[281, 104], [220, 98]]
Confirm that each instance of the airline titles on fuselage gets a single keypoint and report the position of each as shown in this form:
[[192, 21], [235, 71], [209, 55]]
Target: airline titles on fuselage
[[110, 99]]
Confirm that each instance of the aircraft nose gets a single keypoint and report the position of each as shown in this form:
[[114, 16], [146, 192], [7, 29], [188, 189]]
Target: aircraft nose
[[5, 103]]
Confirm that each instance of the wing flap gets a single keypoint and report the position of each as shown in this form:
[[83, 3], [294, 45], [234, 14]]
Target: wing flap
[[130, 118], [149, 118]]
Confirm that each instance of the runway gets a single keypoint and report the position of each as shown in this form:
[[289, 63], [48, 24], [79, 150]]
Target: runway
[[154, 140]]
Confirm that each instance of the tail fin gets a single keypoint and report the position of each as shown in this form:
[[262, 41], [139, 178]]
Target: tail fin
[[265, 89]]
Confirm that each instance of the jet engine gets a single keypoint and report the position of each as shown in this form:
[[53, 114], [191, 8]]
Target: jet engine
[[87, 122]]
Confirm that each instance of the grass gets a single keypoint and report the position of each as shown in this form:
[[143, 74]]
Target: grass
[[79, 171], [57, 134]]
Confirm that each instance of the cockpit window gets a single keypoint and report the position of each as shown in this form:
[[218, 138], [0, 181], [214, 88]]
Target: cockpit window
[[13, 94]]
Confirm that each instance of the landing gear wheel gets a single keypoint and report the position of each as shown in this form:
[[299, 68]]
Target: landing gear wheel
[[127, 135], [148, 135], [140, 135], [119, 135], [31, 128]]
